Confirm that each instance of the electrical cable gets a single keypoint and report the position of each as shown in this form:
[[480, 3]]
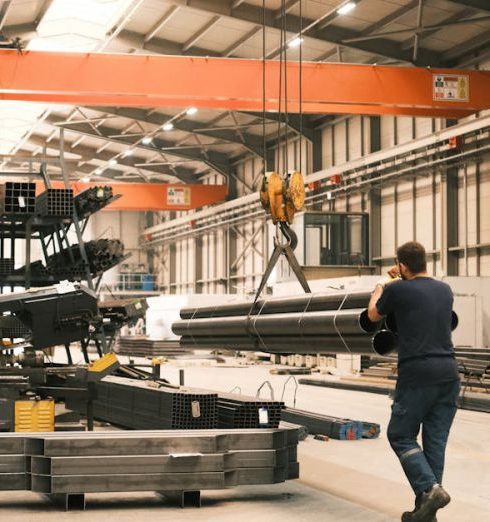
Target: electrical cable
[[264, 138], [286, 116], [300, 86]]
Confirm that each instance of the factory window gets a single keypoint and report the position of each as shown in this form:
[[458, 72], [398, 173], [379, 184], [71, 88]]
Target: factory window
[[333, 238]]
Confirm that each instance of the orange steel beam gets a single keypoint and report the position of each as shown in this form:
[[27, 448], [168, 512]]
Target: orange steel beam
[[152, 196], [224, 83]]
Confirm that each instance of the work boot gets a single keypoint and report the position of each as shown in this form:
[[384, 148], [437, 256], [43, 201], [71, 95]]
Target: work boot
[[407, 516], [430, 501]]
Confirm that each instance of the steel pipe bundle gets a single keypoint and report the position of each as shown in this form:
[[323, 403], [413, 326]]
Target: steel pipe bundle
[[310, 323], [347, 322], [282, 305], [92, 200]]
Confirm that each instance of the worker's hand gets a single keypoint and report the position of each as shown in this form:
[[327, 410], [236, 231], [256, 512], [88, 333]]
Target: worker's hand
[[393, 272], [385, 281]]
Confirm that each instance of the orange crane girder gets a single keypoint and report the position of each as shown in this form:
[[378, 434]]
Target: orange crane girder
[[142, 197], [236, 84]]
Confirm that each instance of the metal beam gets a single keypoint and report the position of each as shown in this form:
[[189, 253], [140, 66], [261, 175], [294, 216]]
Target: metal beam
[[200, 33], [132, 80], [320, 34], [215, 160], [4, 11], [252, 143], [233, 48], [479, 5], [89, 154], [161, 23]]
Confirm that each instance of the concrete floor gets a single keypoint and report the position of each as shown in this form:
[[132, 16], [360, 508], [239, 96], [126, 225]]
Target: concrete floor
[[340, 480]]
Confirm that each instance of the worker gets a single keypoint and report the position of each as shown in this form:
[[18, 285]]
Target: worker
[[428, 381]]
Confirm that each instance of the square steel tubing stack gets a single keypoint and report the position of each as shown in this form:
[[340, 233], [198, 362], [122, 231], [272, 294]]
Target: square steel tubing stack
[[55, 202], [241, 411], [135, 405], [18, 198], [79, 463], [7, 266], [14, 469]]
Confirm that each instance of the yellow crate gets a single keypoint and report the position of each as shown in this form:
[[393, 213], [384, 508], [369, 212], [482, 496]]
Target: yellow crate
[[34, 416]]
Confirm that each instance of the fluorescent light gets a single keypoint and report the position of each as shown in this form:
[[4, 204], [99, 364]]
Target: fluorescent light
[[296, 42], [191, 111], [146, 140], [346, 8], [168, 126], [86, 179], [113, 162]]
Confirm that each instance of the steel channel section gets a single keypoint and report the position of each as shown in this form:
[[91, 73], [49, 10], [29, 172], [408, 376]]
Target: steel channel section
[[137, 464], [154, 443]]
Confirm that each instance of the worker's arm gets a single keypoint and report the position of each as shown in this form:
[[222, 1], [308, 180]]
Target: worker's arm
[[386, 304], [373, 313]]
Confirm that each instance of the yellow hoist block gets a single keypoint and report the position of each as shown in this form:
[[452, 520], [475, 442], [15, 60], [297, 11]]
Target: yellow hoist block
[[34, 416], [282, 198]]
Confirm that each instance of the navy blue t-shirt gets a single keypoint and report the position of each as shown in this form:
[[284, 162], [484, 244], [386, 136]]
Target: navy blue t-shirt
[[422, 309]]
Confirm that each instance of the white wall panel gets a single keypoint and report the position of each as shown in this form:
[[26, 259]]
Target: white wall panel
[[388, 221], [387, 132], [340, 143], [404, 213]]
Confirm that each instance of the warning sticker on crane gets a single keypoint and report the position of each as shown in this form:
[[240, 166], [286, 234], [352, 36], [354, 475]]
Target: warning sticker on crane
[[451, 87], [178, 196]]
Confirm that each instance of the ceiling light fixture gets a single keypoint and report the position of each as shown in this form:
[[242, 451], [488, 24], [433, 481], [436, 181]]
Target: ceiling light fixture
[[346, 8], [191, 111], [86, 179], [113, 162], [146, 140], [99, 171], [168, 126], [296, 42], [128, 152]]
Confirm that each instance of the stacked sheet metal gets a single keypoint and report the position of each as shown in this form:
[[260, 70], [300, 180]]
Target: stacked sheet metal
[[141, 346], [79, 463], [310, 323], [137, 405], [240, 411]]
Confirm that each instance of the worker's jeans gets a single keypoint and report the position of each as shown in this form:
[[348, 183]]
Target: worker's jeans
[[433, 408]]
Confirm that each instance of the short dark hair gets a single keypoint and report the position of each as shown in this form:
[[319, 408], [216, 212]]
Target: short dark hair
[[412, 255]]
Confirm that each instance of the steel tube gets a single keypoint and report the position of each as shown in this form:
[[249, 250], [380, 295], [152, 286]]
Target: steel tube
[[347, 322], [382, 342], [282, 305]]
